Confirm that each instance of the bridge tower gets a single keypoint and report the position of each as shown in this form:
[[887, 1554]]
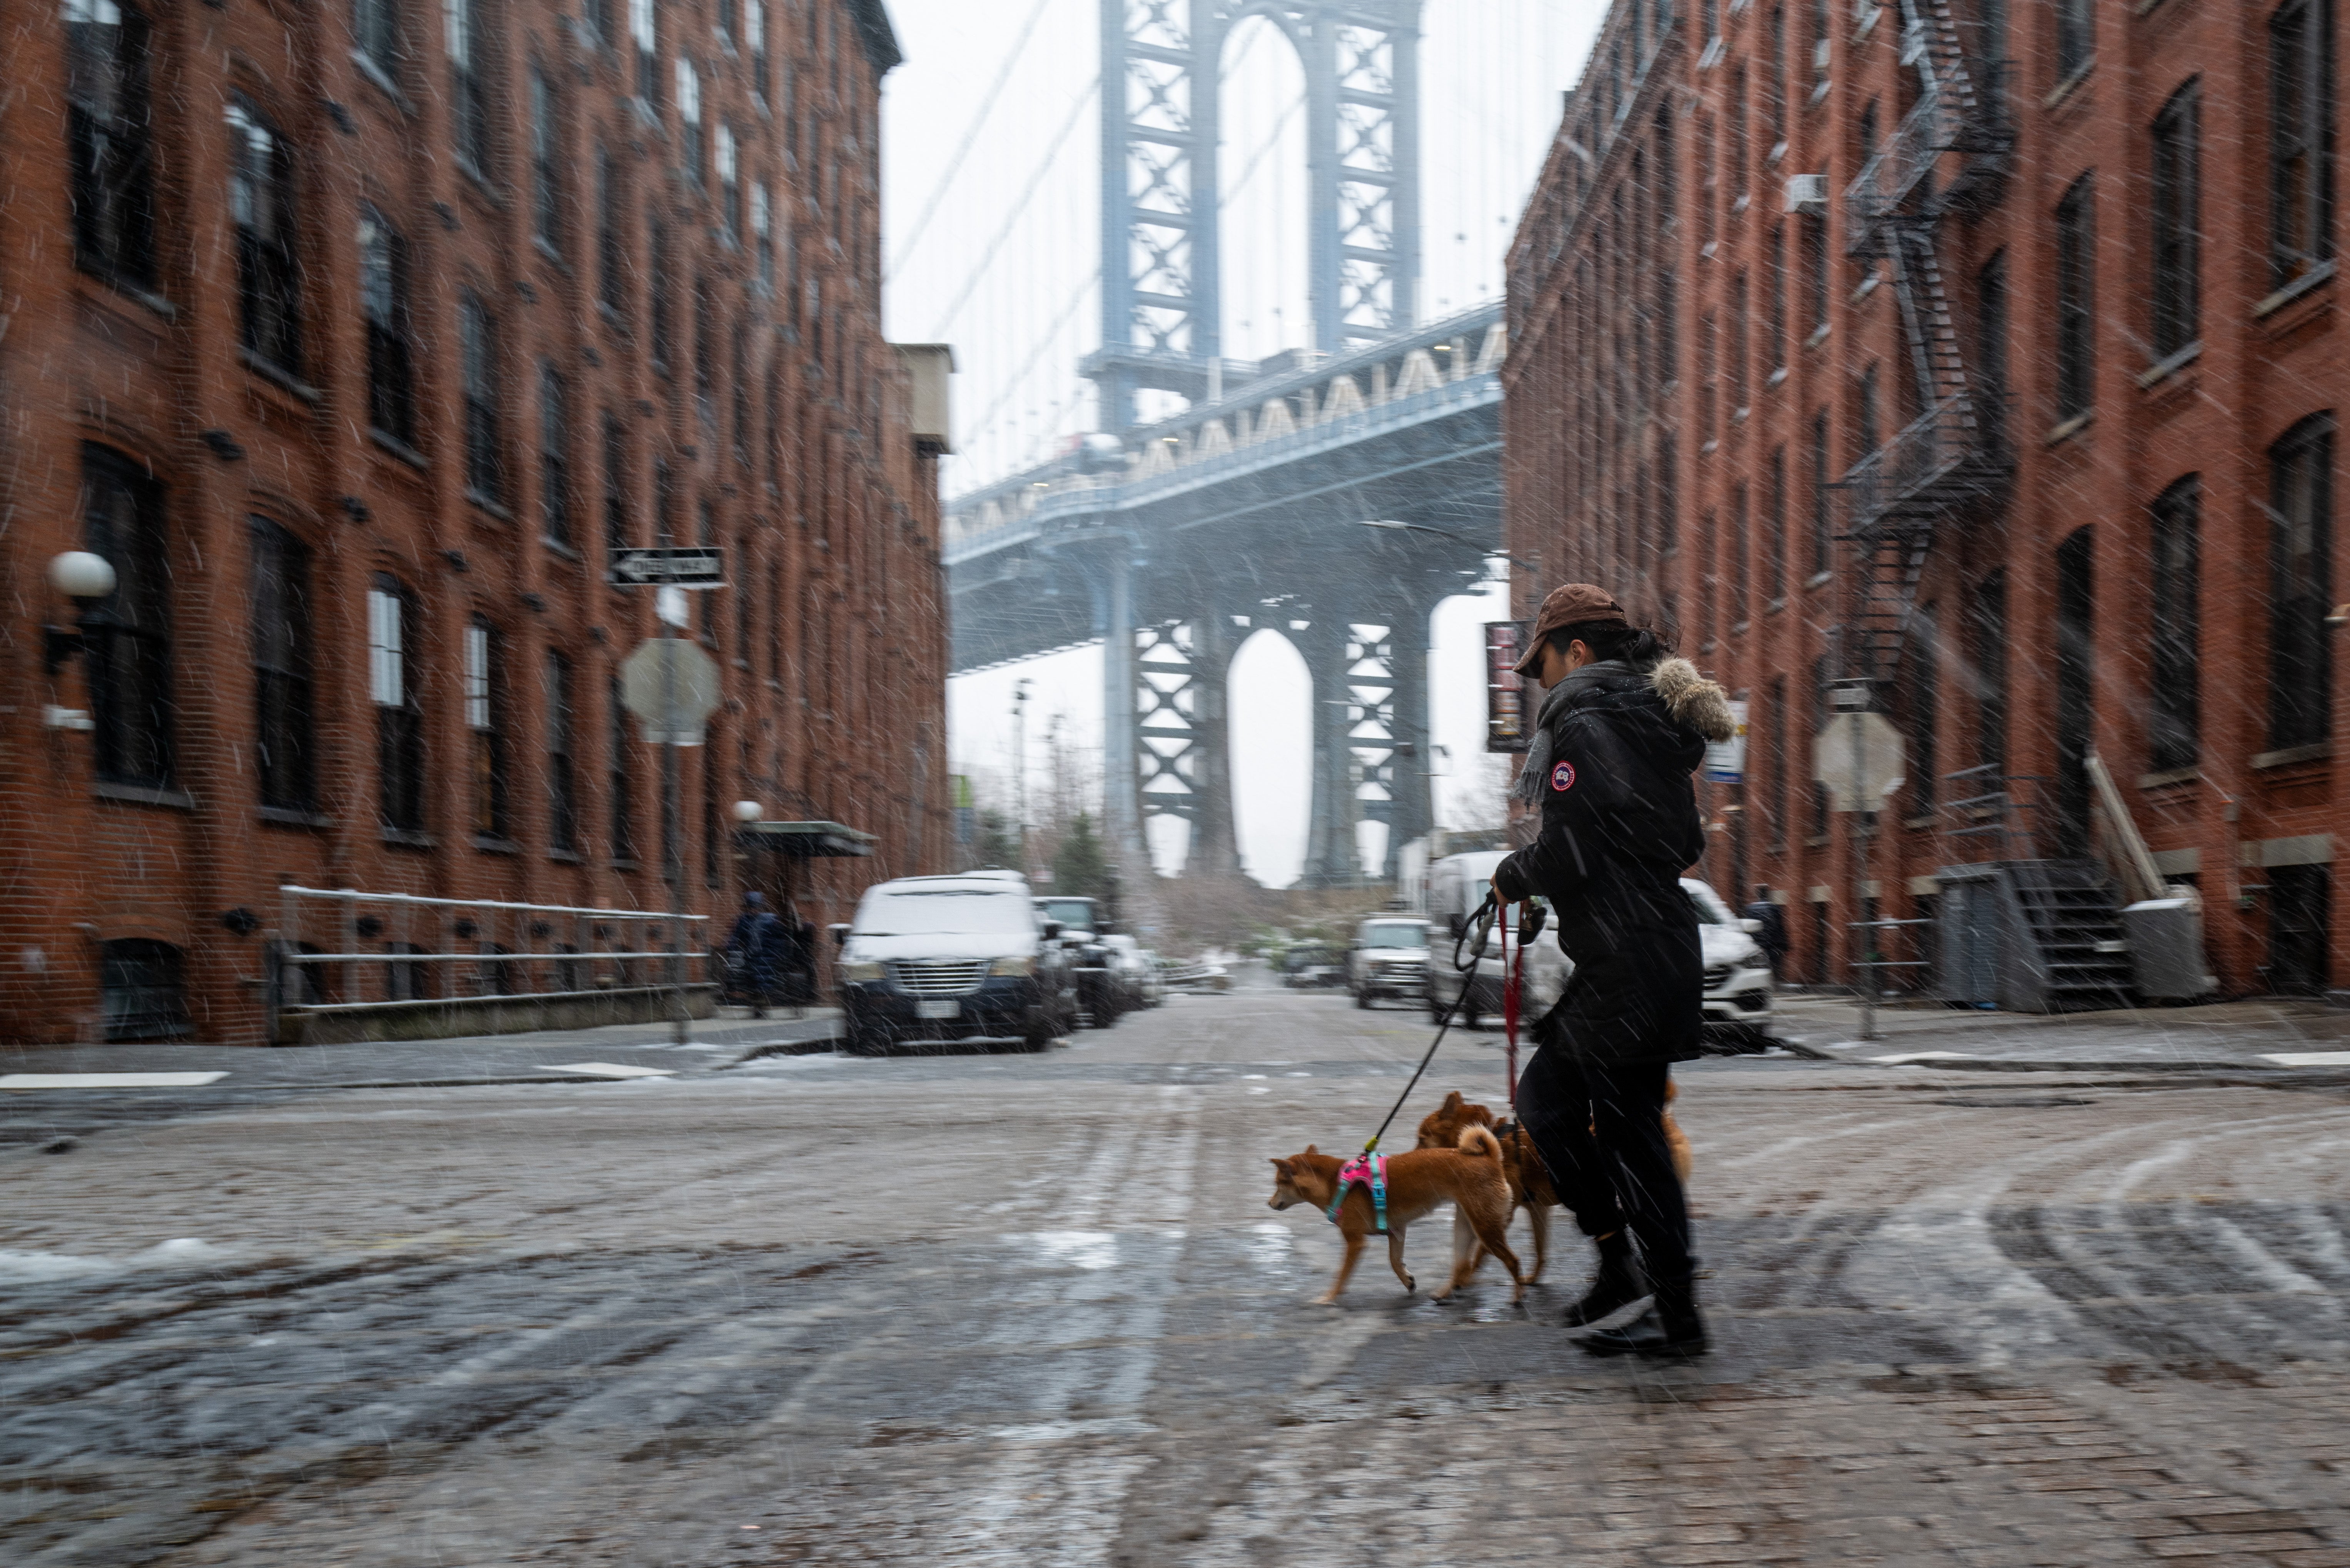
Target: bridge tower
[[1161, 62]]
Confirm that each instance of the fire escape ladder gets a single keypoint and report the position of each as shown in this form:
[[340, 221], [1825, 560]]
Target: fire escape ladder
[[1938, 463]]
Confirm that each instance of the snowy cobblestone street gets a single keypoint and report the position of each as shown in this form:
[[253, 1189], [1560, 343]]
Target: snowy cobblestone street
[[1032, 1310]]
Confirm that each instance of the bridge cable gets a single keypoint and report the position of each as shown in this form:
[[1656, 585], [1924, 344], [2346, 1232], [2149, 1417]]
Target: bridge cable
[[970, 137], [1011, 219]]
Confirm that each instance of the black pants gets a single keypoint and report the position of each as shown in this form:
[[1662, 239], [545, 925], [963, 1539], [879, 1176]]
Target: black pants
[[1601, 1131]]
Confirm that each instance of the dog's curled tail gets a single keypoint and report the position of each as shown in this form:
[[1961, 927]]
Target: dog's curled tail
[[1479, 1141]]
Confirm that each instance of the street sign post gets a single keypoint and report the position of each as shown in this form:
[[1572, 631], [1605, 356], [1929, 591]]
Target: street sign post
[[675, 566], [1858, 756], [671, 686]]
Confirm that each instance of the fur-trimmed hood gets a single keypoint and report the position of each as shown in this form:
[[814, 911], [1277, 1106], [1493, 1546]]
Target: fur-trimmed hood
[[1693, 701]]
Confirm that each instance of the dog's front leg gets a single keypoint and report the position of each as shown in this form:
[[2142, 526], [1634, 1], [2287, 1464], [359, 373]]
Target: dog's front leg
[[1346, 1269], [1395, 1257], [1538, 1222]]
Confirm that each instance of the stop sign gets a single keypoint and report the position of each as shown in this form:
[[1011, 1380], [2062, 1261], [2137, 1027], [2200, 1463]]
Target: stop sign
[[1878, 771], [672, 686]]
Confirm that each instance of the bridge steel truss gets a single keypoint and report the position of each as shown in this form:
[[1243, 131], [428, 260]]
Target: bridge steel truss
[[1161, 62], [1242, 517]]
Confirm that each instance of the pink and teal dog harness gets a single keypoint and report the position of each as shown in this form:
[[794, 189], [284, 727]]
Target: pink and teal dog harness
[[1371, 1171]]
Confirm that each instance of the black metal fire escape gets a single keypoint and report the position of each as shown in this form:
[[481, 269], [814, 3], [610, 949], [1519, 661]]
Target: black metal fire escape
[[1946, 157]]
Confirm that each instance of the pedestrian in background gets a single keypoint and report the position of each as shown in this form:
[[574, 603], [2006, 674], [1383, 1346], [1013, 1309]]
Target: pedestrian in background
[[1608, 768], [1772, 937], [757, 942]]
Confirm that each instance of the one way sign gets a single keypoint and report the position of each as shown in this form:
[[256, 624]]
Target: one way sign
[[678, 566]]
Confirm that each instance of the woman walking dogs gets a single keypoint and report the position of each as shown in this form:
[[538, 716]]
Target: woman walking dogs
[[1609, 763]]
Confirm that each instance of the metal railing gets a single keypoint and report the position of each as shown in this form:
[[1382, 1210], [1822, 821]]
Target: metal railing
[[339, 949]]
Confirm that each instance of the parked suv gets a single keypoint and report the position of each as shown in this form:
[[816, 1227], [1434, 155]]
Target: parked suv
[[1092, 968], [1737, 970], [953, 958], [1388, 958]]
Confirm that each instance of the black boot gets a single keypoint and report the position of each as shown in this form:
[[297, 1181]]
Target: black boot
[[1670, 1330], [1617, 1285]]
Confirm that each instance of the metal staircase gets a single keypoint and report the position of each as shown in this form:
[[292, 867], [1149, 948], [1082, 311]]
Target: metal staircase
[[1949, 153], [2016, 932]]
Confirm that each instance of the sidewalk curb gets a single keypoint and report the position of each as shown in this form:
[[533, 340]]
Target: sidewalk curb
[[2259, 1072], [815, 1046]]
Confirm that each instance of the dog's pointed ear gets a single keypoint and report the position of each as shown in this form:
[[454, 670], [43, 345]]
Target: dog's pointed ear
[[1311, 1149], [1452, 1101]]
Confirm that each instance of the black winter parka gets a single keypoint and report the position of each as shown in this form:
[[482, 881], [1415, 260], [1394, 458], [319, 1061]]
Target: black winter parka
[[1619, 824]]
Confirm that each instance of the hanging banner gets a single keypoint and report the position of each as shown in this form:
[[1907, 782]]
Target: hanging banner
[[1725, 761], [1505, 692]]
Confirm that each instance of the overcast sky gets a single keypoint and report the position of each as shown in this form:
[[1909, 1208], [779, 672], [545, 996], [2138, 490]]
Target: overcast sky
[[991, 160]]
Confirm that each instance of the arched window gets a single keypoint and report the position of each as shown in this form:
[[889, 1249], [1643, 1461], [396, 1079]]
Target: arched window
[[2173, 712], [269, 268], [128, 632], [142, 992], [392, 688], [110, 132], [478, 343], [2301, 584], [486, 704]]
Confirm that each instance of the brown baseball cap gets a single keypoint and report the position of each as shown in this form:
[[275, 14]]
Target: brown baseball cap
[[1576, 604]]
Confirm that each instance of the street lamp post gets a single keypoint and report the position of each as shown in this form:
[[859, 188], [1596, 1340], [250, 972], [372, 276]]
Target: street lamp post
[[1020, 765]]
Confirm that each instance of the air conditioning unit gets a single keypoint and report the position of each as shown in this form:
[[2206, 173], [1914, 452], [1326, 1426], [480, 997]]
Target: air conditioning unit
[[1808, 195]]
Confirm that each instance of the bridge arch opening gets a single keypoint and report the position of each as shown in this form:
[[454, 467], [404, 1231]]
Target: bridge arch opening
[[1269, 708], [1264, 193]]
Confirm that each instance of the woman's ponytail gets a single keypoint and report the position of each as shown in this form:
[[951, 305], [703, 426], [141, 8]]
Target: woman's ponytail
[[1634, 645]]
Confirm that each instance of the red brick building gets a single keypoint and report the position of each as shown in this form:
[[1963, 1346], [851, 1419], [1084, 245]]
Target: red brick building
[[1991, 353], [354, 336]]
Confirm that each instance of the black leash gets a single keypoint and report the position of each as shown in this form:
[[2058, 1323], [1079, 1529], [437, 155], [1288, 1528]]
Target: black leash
[[1480, 927]]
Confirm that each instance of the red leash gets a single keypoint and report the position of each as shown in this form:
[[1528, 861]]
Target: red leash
[[1513, 972]]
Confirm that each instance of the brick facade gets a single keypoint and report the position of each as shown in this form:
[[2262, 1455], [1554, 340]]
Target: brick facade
[[1682, 339], [217, 409]]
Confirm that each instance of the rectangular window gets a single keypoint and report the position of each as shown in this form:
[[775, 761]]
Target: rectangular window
[[644, 32], [611, 265], [2177, 245], [554, 456], [477, 339], [383, 298], [688, 119], [108, 132], [1740, 560], [2076, 37], [2076, 324], [705, 357], [545, 163], [1776, 570], [619, 795], [2300, 138], [1991, 350], [142, 991], [399, 717], [1815, 272], [762, 239], [1923, 665], [1823, 531], [127, 634], [739, 386], [616, 531], [2174, 724], [2300, 578], [562, 780], [269, 272], [283, 738], [375, 29], [754, 43], [1775, 351], [729, 187], [1741, 385], [597, 15], [1775, 780], [1988, 662], [469, 98], [657, 288], [485, 716], [1778, 78]]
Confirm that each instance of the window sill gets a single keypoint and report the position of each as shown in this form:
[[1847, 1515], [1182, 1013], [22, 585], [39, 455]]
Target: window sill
[[1777, 377], [2163, 369], [480, 183], [490, 845], [558, 548], [143, 794], [131, 291], [476, 498], [2288, 756], [410, 839], [1775, 606], [286, 817], [547, 253], [622, 863], [1818, 841], [382, 80], [2167, 777], [2069, 429], [1819, 93], [2070, 85], [2320, 274], [564, 856], [1925, 820], [397, 448], [1819, 336], [279, 377], [1818, 579]]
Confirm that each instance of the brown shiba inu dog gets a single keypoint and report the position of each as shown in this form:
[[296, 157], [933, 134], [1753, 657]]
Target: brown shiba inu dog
[[1529, 1179], [1468, 1175]]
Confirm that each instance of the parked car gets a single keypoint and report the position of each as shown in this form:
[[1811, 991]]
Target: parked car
[[1457, 884], [1312, 966], [1136, 969], [953, 958], [1738, 991], [1388, 958], [1099, 994]]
